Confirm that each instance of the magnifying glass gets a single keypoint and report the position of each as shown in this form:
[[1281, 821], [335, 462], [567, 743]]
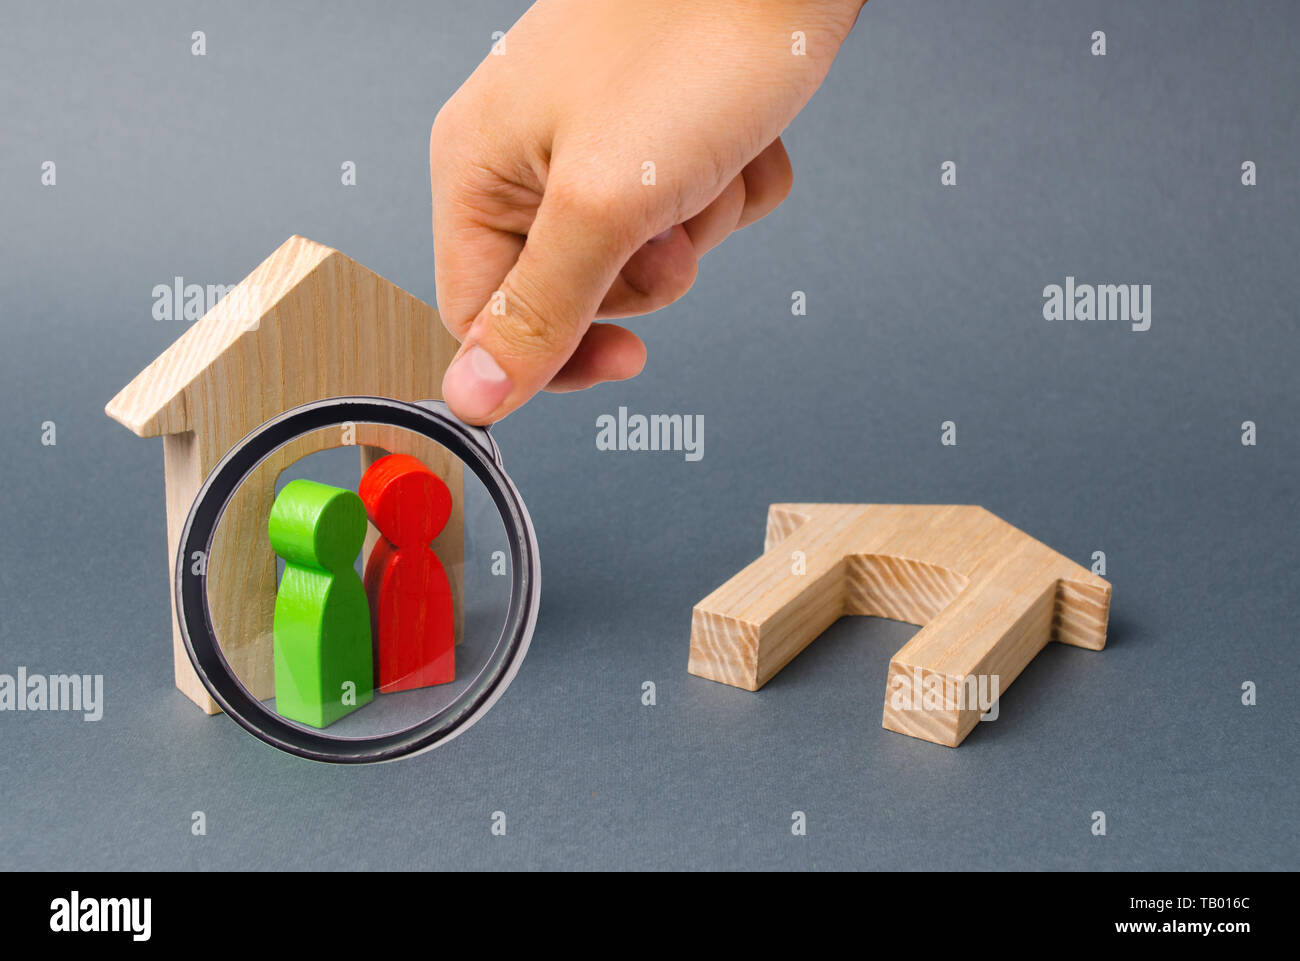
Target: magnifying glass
[[365, 612]]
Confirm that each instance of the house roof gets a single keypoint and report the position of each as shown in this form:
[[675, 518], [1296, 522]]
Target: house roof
[[153, 403], [308, 323]]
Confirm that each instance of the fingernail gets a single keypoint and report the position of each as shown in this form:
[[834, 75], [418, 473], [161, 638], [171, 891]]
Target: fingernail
[[659, 238], [475, 385]]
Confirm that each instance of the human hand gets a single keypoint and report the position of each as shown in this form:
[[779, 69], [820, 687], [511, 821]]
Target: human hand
[[582, 172]]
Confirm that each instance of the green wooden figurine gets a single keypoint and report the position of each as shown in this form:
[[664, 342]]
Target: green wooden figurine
[[323, 661]]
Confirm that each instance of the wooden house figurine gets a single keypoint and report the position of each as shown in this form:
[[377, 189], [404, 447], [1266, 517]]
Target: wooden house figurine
[[307, 324]]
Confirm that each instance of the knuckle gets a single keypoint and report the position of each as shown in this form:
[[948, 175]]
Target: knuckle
[[672, 287], [444, 131], [683, 281], [661, 280], [534, 321], [443, 120], [615, 211], [783, 183]]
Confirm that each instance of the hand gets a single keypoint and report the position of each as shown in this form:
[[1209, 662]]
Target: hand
[[582, 172]]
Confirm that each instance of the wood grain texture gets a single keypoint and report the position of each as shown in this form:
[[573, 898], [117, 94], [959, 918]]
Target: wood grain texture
[[307, 324], [987, 595]]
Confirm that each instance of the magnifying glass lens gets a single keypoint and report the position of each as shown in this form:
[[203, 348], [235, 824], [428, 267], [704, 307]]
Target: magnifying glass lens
[[359, 582]]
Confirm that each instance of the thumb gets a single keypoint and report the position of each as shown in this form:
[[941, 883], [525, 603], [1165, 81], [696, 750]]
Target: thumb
[[536, 319]]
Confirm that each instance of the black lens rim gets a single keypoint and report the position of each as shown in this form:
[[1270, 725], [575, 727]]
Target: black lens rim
[[200, 528]]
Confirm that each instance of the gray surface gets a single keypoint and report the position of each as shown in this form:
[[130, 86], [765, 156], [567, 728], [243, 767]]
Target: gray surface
[[924, 305]]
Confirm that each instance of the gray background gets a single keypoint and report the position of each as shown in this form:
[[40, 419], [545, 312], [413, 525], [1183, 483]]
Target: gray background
[[924, 304]]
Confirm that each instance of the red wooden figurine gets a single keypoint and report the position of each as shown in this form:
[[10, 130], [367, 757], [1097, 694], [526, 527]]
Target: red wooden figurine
[[410, 596]]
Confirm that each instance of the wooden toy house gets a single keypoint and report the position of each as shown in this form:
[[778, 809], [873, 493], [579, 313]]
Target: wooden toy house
[[307, 324]]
